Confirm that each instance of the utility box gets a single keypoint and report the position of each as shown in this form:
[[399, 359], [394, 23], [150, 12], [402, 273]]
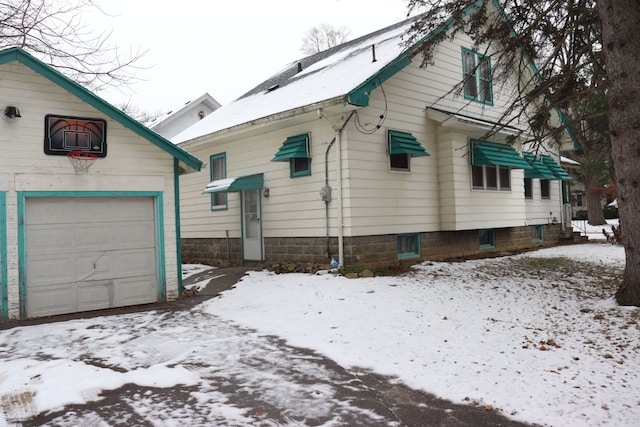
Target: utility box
[[325, 194]]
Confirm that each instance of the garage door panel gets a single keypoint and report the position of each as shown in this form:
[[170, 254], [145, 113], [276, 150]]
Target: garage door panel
[[92, 253], [133, 208], [44, 239], [135, 235], [91, 237], [137, 290], [51, 300], [96, 295], [136, 263], [51, 270]]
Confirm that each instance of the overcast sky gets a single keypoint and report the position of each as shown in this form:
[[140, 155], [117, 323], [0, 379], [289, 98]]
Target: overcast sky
[[225, 48]]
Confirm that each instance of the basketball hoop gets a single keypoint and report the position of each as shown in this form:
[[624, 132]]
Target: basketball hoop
[[81, 161]]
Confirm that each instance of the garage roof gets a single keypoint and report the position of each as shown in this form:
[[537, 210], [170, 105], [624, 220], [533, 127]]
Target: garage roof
[[191, 162]]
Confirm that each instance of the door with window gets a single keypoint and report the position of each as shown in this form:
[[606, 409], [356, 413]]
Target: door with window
[[251, 226]]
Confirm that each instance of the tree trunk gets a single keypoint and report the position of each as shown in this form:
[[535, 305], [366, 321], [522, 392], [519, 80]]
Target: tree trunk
[[595, 215], [621, 46]]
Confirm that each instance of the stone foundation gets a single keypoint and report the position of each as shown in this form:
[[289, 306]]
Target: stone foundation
[[373, 252]]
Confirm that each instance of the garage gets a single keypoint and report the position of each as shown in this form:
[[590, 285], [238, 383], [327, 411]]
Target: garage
[[89, 253]]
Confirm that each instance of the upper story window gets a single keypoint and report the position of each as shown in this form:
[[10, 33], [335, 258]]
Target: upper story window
[[296, 150], [218, 168], [476, 69]]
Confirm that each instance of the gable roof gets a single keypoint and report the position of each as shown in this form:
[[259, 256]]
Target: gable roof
[[19, 55], [203, 105], [345, 73]]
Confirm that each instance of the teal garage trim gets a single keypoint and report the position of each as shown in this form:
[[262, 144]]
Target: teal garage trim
[[157, 198], [4, 297]]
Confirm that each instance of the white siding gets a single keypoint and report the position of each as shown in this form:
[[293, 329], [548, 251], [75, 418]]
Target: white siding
[[435, 195], [132, 163]]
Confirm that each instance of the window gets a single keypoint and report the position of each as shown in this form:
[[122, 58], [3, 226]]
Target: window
[[490, 177], [477, 76], [545, 188], [401, 146], [408, 245], [218, 168], [578, 200], [299, 167], [487, 239], [537, 233], [528, 188], [296, 151], [399, 162]]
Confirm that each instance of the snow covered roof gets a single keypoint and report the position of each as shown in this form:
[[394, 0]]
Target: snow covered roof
[[328, 76], [204, 99]]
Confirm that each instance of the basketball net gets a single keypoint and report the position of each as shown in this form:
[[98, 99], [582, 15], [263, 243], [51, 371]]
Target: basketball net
[[81, 161]]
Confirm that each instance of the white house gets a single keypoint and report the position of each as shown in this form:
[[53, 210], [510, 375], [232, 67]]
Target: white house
[[359, 154], [175, 121], [77, 242]]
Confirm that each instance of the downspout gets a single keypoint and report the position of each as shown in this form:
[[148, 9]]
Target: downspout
[[176, 192], [326, 201], [338, 142], [339, 184]]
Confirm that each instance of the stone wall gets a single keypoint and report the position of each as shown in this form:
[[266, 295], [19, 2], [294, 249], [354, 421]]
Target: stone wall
[[371, 252]]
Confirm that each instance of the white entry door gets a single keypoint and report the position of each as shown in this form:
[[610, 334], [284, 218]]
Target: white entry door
[[251, 226], [89, 253]]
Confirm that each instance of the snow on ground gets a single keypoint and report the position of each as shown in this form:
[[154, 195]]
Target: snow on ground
[[542, 345]]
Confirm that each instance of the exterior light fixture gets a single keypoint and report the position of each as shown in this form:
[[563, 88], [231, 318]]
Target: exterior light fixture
[[12, 112]]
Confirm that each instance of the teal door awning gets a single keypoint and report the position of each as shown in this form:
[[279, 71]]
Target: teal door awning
[[404, 143], [294, 147], [555, 168], [493, 153], [247, 182], [538, 168]]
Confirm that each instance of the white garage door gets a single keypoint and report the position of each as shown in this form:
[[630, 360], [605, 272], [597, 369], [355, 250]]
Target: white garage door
[[89, 253]]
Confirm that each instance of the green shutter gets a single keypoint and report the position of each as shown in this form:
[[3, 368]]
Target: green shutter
[[538, 168], [247, 182], [557, 170], [493, 153], [404, 143], [294, 147]]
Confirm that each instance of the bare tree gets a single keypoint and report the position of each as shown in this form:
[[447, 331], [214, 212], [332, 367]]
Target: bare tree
[[322, 38], [54, 32], [143, 116], [556, 49]]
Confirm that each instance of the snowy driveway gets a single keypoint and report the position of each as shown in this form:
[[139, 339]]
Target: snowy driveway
[[188, 367]]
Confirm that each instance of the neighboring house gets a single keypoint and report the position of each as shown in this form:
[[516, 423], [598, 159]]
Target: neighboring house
[[77, 242], [178, 120], [577, 192], [359, 154]]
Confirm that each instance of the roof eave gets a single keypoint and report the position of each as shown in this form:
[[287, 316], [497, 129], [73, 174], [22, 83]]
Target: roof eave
[[204, 139]]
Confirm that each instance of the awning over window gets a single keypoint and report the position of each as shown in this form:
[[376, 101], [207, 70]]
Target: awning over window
[[538, 168], [404, 143], [493, 153], [247, 182], [294, 147], [555, 168]]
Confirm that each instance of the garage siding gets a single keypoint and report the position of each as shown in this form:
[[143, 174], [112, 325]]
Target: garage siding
[[89, 253]]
